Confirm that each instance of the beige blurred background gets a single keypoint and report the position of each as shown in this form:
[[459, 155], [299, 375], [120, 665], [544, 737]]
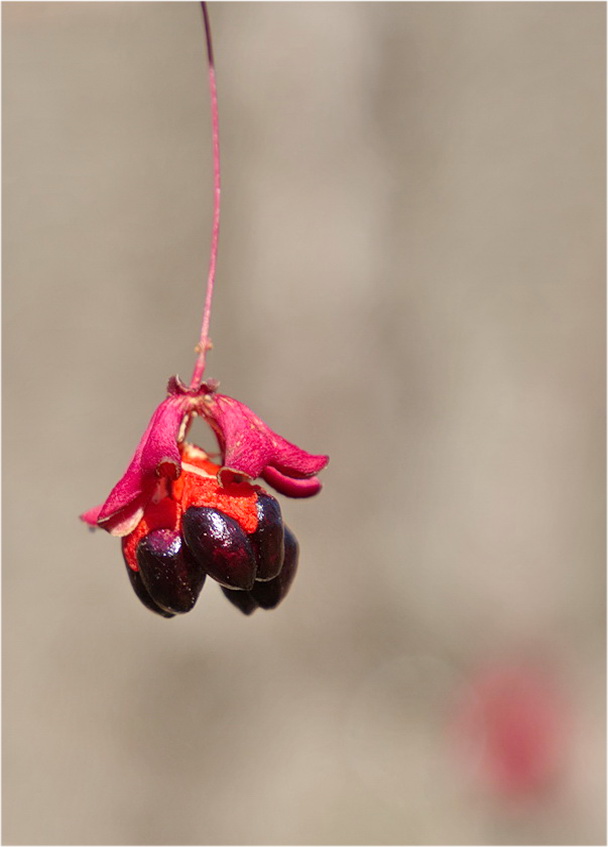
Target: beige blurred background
[[411, 278]]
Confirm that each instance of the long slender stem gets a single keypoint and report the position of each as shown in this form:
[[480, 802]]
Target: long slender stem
[[204, 342]]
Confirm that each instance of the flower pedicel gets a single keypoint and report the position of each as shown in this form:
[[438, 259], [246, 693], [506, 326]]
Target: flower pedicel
[[183, 517]]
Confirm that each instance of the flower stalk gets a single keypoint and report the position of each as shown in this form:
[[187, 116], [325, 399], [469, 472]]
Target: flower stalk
[[204, 343]]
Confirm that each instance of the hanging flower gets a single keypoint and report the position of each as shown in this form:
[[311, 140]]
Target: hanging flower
[[183, 517]]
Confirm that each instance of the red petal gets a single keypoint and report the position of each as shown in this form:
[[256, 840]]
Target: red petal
[[289, 486], [157, 456], [250, 447]]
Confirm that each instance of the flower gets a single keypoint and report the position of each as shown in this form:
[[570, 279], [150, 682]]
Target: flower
[[512, 728], [249, 449], [182, 517]]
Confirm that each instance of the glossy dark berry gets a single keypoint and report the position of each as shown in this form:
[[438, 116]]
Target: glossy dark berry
[[242, 600], [267, 540], [220, 546], [169, 572], [144, 595], [268, 595]]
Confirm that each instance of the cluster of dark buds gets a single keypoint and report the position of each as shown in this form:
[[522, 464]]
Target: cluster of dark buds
[[183, 517]]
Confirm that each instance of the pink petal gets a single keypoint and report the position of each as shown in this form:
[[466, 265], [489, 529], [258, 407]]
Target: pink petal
[[157, 456], [91, 516], [289, 486], [250, 447]]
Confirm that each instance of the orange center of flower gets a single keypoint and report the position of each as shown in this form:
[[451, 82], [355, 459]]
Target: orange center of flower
[[197, 485]]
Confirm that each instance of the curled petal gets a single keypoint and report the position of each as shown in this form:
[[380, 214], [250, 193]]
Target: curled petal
[[289, 486], [251, 448], [157, 456]]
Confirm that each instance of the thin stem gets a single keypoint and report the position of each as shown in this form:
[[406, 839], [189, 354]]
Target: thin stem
[[204, 343]]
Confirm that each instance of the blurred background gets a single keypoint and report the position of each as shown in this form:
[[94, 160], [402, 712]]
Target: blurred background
[[411, 279]]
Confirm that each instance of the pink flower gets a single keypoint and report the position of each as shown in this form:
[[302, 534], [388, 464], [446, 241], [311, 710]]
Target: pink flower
[[249, 449], [514, 726], [181, 516]]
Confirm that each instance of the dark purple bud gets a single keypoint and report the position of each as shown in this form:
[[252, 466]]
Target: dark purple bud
[[267, 540], [268, 595], [169, 572], [220, 546], [144, 595], [242, 600]]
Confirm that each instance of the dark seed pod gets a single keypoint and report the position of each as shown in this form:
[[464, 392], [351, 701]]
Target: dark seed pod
[[268, 595], [243, 600], [220, 546], [144, 595], [267, 540], [171, 575]]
